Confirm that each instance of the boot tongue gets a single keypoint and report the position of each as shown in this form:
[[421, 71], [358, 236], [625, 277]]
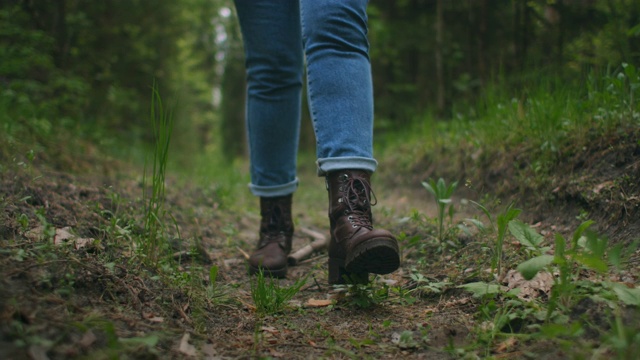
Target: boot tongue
[[275, 219]]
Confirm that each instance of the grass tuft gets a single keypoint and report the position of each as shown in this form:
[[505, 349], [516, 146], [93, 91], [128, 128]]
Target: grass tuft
[[161, 121]]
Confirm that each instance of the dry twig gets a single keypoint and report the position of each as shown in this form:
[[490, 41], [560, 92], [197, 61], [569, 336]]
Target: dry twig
[[320, 242]]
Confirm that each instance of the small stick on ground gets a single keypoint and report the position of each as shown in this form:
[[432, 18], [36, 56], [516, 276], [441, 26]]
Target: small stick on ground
[[320, 242], [244, 253]]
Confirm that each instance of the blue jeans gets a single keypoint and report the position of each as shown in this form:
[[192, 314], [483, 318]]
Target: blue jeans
[[331, 35]]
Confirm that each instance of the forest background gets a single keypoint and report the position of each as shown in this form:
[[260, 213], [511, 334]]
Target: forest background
[[85, 68], [488, 105]]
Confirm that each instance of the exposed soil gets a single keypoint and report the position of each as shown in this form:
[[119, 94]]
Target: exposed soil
[[64, 297]]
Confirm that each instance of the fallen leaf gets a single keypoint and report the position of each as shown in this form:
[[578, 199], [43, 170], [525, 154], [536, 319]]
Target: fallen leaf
[[599, 187], [318, 302], [38, 352], [270, 329], [429, 310], [529, 289], [62, 235], [506, 345], [208, 350], [276, 353], [35, 234], [88, 338], [82, 242], [185, 347]]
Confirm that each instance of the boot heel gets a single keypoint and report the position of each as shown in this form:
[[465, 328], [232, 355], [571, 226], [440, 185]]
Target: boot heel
[[339, 275]]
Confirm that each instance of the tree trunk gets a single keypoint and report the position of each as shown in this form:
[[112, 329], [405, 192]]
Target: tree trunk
[[482, 29], [441, 98], [233, 104]]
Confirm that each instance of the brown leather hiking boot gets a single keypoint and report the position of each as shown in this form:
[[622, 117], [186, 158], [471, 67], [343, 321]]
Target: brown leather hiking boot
[[356, 248], [276, 231]]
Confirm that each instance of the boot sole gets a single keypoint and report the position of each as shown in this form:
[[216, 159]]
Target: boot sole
[[338, 273], [274, 273], [377, 256]]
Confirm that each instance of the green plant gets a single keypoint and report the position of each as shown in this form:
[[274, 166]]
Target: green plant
[[586, 250], [364, 295], [404, 340], [404, 296], [269, 297], [48, 231], [216, 293], [162, 126], [500, 226], [614, 96], [623, 339], [426, 285], [442, 196]]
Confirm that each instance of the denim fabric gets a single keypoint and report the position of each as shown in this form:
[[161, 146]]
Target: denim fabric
[[332, 35]]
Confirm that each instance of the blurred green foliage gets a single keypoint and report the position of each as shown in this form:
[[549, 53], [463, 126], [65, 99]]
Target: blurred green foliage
[[93, 62], [488, 41], [87, 66]]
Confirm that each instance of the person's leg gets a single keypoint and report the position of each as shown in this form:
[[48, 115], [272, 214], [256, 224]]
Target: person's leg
[[340, 90], [274, 61], [341, 105]]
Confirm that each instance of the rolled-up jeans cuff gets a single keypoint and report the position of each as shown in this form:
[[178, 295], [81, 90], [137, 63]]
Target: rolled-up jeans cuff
[[276, 190], [327, 165]]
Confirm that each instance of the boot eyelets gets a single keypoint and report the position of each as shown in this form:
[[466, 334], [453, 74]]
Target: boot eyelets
[[354, 226]]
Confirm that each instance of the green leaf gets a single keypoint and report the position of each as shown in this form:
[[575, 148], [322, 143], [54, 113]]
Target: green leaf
[[149, 341], [552, 330], [429, 188], [531, 267], [618, 254], [561, 246], [525, 234], [595, 244], [480, 289], [592, 262], [634, 31], [477, 223], [629, 296], [578, 233], [213, 274]]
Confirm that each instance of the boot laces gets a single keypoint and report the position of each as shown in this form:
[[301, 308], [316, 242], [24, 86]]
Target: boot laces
[[274, 226], [358, 196]]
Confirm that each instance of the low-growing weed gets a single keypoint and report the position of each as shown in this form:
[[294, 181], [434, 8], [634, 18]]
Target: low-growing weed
[[499, 227], [216, 293], [580, 265], [364, 295], [442, 194], [424, 285], [152, 242], [269, 297]]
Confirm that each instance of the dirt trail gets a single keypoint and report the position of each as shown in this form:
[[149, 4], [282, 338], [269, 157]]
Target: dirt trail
[[96, 299]]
